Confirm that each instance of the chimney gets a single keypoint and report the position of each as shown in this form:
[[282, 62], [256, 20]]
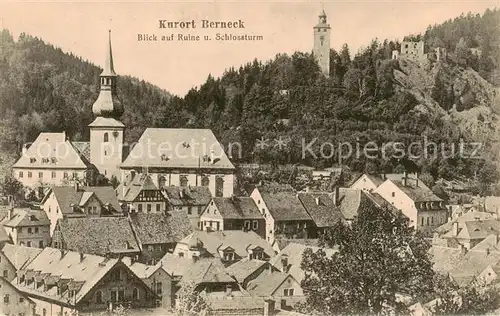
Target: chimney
[[195, 258], [212, 156], [405, 178], [316, 199], [384, 176], [454, 229], [463, 249], [269, 307], [11, 212], [81, 256], [24, 149], [336, 196], [284, 263], [77, 186], [488, 251], [62, 254]]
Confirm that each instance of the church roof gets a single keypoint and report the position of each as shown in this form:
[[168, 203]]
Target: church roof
[[109, 69], [178, 148]]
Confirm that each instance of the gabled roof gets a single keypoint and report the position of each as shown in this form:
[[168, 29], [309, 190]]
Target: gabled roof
[[101, 121], [380, 202], [83, 148], [25, 217], [130, 189], [19, 256], [188, 196], [175, 265], [473, 263], [237, 207], [284, 206], [98, 235], [417, 192], [59, 151], [444, 259], [236, 239], [445, 228], [4, 237], [68, 265], [266, 283], [244, 268], [207, 271], [293, 252], [66, 196], [160, 228], [479, 229], [181, 147], [143, 271], [321, 207], [351, 201]]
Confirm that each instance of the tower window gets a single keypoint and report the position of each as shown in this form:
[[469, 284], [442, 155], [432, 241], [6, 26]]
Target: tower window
[[106, 137], [322, 39]]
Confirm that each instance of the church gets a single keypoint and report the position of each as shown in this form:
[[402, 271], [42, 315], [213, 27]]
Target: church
[[170, 156]]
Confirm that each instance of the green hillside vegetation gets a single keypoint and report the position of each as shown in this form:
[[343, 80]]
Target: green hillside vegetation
[[368, 97]]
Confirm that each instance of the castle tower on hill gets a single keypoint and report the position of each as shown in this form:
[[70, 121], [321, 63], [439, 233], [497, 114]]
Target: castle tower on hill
[[106, 131], [321, 48]]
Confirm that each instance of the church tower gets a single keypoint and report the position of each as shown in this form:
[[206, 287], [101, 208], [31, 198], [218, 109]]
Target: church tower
[[321, 49], [106, 131]]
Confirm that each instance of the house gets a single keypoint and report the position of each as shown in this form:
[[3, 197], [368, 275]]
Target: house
[[471, 233], [158, 233], [190, 200], [156, 277], [14, 302], [323, 210], [103, 236], [233, 213], [181, 157], [289, 259], [247, 270], [25, 226], [208, 275], [492, 204], [283, 213], [460, 220], [79, 201], [248, 306], [61, 282], [228, 246], [51, 159], [369, 182], [277, 284], [139, 194], [424, 209], [14, 258]]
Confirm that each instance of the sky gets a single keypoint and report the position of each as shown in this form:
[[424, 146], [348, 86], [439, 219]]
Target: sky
[[81, 27]]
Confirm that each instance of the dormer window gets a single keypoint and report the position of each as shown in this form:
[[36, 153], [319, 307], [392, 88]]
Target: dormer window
[[53, 160], [45, 160], [32, 160], [228, 255], [186, 145], [206, 158], [163, 157]]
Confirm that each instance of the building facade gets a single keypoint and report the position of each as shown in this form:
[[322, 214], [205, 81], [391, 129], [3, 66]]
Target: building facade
[[27, 227], [13, 302]]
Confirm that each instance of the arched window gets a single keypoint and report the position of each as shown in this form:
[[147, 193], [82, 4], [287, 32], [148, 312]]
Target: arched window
[[98, 297], [205, 181], [135, 294], [219, 186], [161, 181], [183, 180], [106, 137]]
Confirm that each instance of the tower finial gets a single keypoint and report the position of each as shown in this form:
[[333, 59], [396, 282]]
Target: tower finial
[[109, 69]]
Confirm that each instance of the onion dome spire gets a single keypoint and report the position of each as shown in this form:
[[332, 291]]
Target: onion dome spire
[[108, 104]]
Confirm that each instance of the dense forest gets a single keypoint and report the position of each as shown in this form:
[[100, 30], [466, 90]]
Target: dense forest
[[45, 89]]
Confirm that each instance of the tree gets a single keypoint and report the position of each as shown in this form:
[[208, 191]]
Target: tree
[[190, 302], [378, 257], [12, 186]]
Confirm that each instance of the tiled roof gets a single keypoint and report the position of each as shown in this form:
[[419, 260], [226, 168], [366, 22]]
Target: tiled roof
[[175, 265], [244, 268], [473, 263], [98, 235], [25, 217], [237, 303], [4, 283], [83, 148], [237, 207], [236, 239], [471, 216], [420, 193], [195, 196], [160, 228], [351, 201], [382, 203], [4, 237], [66, 196], [444, 259], [182, 148], [321, 207], [53, 262], [283, 242], [266, 283], [19, 256], [479, 229], [207, 271], [293, 252], [60, 153], [142, 270], [130, 188], [285, 206]]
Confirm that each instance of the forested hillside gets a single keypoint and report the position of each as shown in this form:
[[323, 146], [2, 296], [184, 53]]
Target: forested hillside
[[368, 97]]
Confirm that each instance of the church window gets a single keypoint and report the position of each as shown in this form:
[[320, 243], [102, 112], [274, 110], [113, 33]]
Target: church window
[[148, 206], [53, 174], [161, 181], [183, 181], [29, 174], [40, 174], [205, 181], [106, 137], [219, 186]]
